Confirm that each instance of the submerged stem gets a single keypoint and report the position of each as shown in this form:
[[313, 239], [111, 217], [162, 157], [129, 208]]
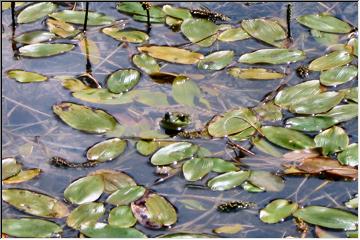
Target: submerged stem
[[86, 17]]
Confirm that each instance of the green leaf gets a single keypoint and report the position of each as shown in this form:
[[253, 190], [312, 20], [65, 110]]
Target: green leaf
[[350, 93], [265, 147], [9, 168], [339, 75], [131, 36], [342, 113], [25, 77], [173, 153], [45, 49], [228, 180], [277, 210], [243, 135], [23, 176], [126, 195], [327, 217], [325, 23], [34, 37], [29, 228], [172, 54], [102, 230], [121, 217], [331, 60], [106, 150], [353, 43], [229, 229], [287, 138], [266, 181], [200, 31], [156, 13], [222, 166], [102, 96], [146, 63], [185, 91], [196, 168], [254, 73], [332, 140], [233, 34], [310, 124], [353, 203], [147, 147], [35, 12], [266, 30], [150, 98], [251, 187], [268, 111], [35, 203], [85, 190], [78, 17], [216, 60], [324, 38], [349, 156], [192, 204], [84, 118], [183, 235], [123, 80], [61, 28], [88, 213], [272, 56], [160, 210], [180, 13]]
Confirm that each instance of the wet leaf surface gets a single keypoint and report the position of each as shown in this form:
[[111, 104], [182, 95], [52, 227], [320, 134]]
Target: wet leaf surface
[[180, 13], [34, 37], [39, 50], [126, 195], [35, 12], [131, 36], [228, 180], [324, 22], [102, 230], [216, 60], [9, 168], [146, 63], [196, 168], [121, 217], [272, 56], [156, 13], [331, 60], [173, 153], [338, 75], [114, 180], [88, 213], [61, 28], [23, 176], [106, 150], [229, 229], [266, 181], [200, 31], [172, 54], [277, 210], [254, 73], [160, 210], [342, 113], [349, 156], [332, 140], [233, 34], [85, 190], [123, 80], [78, 17]]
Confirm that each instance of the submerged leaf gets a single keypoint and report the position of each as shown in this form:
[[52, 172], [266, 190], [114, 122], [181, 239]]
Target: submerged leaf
[[88, 213], [185, 91], [26, 77], [254, 73], [277, 211], [123, 80], [78, 17], [85, 190], [332, 140], [229, 229], [339, 75], [114, 180], [45, 49], [121, 217], [324, 38], [131, 36], [200, 31], [228, 180], [35, 12], [325, 23], [192, 204], [34, 37], [106, 150], [266, 181], [268, 111], [102, 96], [172, 54], [216, 60], [173, 153], [272, 56], [265, 147], [331, 60]]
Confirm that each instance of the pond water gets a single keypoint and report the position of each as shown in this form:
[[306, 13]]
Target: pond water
[[28, 120]]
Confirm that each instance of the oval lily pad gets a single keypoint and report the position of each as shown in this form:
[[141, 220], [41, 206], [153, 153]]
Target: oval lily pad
[[287, 138], [85, 190], [277, 211], [35, 12], [29, 228], [251, 187], [106, 150], [34, 37], [349, 156], [103, 96], [196, 168], [147, 147], [84, 118], [233, 34], [272, 56], [23, 176], [325, 23], [185, 91], [200, 31], [146, 63], [78, 17], [88, 213], [180, 13], [25, 77], [309, 124], [139, 13], [254, 73], [350, 93], [173, 153], [45, 49], [331, 60], [332, 140], [265, 147], [123, 80], [126, 195], [9, 168], [121, 217], [35, 203], [353, 202], [324, 38], [160, 210], [342, 113], [336, 76], [172, 54], [131, 36], [61, 28], [222, 166], [328, 217], [228, 180], [216, 60], [102, 230], [266, 181]]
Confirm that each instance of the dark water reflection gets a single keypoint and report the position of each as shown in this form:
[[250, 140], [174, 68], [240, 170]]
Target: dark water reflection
[[27, 118]]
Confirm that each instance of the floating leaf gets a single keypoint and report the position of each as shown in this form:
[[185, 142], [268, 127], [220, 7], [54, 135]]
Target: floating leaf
[[173, 153], [349, 156], [277, 211], [61, 28], [9, 168], [106, 150], [309, 124], [25, 77], [78, 17], [216, 60], [339, 75], [102, 230], [90, 50], [121, 217], [325, 23], [45, 49], [114, 180], [23, 176], [156, 13], [266, 181], [150, 98], [265, 147], [185, 91], [35, 12], [324, 38], [254, 73], [350, 93], [131, 36], [221, 165], [192, 204], [29, 228], [73, 84], [266, 30], [251, 187], [186, 235], [147, 147], [342, 113], [88, 213], [103, 96], [146, 63], [34, 37], [243, 135], [7, 5], [332, 140], [233, 34], [180, 13], [126, 195], [353, 203], [160, 210], [200, 31], [268, 111], [228, 180], [327, 217], [85, 190], [353, 43], [331, 60], [229, 229], [196, 168], [172, 54], [35, 203], [287, 138], [84, 118], [123, 80], [272, 56]]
